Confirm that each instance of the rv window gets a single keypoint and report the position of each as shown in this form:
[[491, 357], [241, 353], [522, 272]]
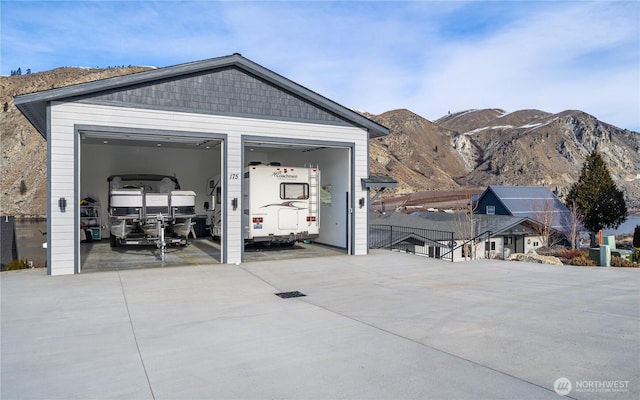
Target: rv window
[[294, 191], [218, 195]]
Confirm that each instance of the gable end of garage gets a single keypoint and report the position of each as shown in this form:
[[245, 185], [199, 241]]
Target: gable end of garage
[[228, 91]]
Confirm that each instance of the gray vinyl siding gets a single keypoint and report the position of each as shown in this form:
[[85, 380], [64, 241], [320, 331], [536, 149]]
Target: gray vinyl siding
[[62, 226], [227, 91]]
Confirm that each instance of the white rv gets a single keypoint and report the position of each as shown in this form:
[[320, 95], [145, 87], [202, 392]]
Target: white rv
[[281, 205]]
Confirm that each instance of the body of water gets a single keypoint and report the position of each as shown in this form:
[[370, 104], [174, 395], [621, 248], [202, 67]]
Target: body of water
[[627, 227], [29, 239]]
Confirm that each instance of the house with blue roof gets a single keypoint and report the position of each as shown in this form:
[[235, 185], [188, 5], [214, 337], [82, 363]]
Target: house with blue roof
[[538, 203]]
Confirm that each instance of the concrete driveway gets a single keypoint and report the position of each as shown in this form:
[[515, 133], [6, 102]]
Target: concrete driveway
[[384, 326]]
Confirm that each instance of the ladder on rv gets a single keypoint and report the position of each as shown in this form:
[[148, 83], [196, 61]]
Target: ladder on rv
[[314, 192]]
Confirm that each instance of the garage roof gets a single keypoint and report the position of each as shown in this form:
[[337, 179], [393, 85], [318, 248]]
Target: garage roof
[[34, 105]]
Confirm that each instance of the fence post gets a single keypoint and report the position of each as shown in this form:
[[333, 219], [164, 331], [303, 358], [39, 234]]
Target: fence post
[[453, 246], [391, 238]]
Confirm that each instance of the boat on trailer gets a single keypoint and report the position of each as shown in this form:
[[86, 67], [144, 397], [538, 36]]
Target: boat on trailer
[[146, 209]]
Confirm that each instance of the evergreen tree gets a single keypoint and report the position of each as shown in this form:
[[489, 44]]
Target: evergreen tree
[[597, 197], [636, 237]]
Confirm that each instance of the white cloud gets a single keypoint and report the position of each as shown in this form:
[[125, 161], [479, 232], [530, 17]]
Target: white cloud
[[534, 64], [430, 57]]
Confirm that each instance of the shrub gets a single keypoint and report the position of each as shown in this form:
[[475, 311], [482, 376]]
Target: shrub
[[16, 264], [636, 255], [570, 254], [621, 262], [556, 251], [582, 260]]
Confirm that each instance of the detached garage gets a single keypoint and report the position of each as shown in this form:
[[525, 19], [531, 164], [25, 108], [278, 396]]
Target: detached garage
[[201, 125]]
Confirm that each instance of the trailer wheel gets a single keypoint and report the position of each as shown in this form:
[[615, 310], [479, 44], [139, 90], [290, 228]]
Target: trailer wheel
[[113, 241]]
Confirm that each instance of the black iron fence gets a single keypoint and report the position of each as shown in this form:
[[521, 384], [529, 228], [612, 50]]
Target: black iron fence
[[426, 242]]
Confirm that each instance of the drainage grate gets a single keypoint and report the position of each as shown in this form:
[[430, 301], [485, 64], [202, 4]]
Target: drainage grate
[[288, 295]]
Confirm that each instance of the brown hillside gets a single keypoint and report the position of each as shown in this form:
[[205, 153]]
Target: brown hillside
[[537, 148], [23, 177], [417, 153]]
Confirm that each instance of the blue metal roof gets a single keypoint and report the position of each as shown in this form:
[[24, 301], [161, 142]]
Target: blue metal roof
[[532, 202]]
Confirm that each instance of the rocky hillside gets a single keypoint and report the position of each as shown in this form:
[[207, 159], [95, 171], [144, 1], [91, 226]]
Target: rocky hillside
[[417, 153], [477, 148], [458, 152], [23, 167]]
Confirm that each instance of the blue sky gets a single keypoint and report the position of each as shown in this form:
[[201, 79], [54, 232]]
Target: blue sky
[[430, 57]]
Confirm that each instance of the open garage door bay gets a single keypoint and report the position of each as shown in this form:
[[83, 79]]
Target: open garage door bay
[[130, 169]]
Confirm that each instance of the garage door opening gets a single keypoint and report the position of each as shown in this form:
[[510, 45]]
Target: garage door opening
[[301, 198], [145, 200]]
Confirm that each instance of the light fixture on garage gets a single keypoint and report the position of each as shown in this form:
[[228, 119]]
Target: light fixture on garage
[[159, 144], [105, 141]]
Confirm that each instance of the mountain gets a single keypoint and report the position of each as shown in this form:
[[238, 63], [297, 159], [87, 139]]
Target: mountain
[[459, 152], [23, 170], [417, 153], [476, 148]]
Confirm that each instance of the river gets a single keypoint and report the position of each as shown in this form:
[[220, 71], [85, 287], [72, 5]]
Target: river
[[627, 227]]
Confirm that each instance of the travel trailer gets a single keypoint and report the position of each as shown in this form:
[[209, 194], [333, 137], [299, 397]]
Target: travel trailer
[[281, 204], [149, 209]]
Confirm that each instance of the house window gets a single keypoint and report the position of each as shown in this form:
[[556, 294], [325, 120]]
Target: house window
[[536, 244], [493, 245], [508, 240], [491, 210]]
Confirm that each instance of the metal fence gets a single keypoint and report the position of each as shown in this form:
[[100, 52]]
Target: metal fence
[[426, 242]]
